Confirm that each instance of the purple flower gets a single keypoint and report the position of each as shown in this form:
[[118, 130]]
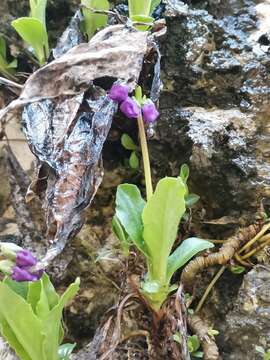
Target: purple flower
[[150, 113], [130, 108], [20, 274], [25, 258], [119, 92]]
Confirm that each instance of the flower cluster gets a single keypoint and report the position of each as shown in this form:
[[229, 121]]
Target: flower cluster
[[18, 262], [130, 107]]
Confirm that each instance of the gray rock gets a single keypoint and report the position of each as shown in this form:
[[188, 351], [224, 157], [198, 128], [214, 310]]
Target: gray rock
[[248, 324]]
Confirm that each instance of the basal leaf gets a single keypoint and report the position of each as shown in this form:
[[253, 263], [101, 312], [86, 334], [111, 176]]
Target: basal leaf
[[38, 10], [120, 233], [139, 7], [128, 143], [16, 313], [161, 217], [52, 296], [20, 288], [188, 248], [154, 4], [92, 20], [65, 350], [33, 294], [129, 207], [51, 325], [134, 161], [34, 33], [42, 307], [184, 173], [3, 47], [191, 199], [13, 342]]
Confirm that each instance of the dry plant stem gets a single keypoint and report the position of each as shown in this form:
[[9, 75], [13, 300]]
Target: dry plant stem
[[209, 288], [257, 249], [146, 161], [257, 237], [198, 326], [241, 261], [10, 83], [225, 253]]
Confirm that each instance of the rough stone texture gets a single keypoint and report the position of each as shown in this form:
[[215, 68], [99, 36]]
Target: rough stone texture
[[215, 62], [214, 116], [248, 324]]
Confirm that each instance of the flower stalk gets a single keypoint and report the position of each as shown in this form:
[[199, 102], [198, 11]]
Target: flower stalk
[[145, 156]]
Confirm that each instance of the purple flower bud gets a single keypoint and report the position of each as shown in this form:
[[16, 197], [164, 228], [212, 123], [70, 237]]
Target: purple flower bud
[[150, 113], [20, 275], [119, 92], [130, 108], [25, 258]]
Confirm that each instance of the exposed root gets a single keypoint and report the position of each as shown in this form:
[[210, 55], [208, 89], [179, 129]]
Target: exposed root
[[198, 326], [226, 252], [210, 287]]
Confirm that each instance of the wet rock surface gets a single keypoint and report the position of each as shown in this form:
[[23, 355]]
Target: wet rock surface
[[215, 117], [248, 324], [214, 61]]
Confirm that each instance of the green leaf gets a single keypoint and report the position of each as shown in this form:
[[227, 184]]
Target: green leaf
[[177, 338], [212, 332], [20, 288], [134, 161], [129, 207], [3, 47], [65, 350], [38, 10], [193, 343], [184, 173], [237, 269], [185, 251], [128, 143], [94, 21], [13, 64], [260, 349], [120, 233], [52, 296], [161, 217], [51, 325], [198, 354], [33, 295], [154, 4], [16, 317], [191, 199], [142, 19], [42, 306], [34, 33], [139, 7]]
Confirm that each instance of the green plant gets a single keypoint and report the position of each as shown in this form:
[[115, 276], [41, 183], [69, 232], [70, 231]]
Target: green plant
[[190, 199], [93, 17], [31, 318], [6, 68], [129, 144], [265, 353], [33, 30], [194, 346], [237, 269], [152, 225], [193, 343], [141, 11]]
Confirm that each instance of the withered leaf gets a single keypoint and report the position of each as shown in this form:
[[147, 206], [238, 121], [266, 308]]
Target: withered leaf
[[67, 119]]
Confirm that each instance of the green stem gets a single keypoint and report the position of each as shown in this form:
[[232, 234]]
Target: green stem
[[146, 161]]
